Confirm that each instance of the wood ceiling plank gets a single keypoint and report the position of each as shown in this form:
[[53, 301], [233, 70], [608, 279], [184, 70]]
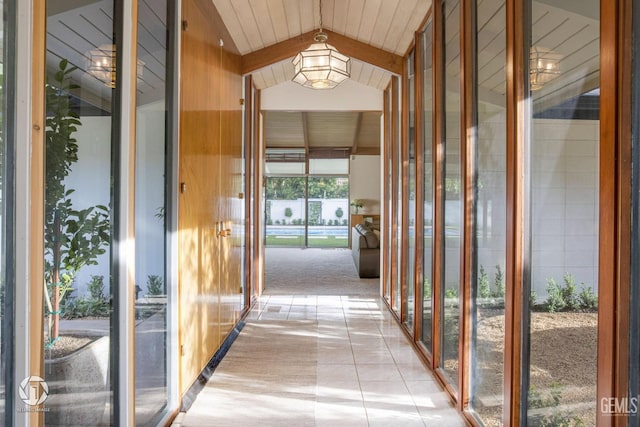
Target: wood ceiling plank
[[278, 73], [292, 16], [376, 77], [258, 80], [279, 20], [356, 70], [354, 18], [248, 23], [309, 17], [340, 13], [397, 27], [287, 49], [369, 17], [232, 22], [383, 22], [265, 27]]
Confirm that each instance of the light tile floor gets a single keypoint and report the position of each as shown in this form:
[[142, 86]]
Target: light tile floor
[[321, 361]]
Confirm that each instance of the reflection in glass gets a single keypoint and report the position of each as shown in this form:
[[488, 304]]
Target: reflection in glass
[[77, 216], [151, 288], [452, 195], [388, 197], [398, 157], [411, 195], [564, 216], [490, 211], [5, 236], [426, 44]]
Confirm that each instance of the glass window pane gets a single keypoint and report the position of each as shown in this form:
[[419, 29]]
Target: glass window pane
[[427, 104], [398, 157], [490, 213], [277, 168], [6, 236], [564, 74], [411, 196], [78, 192], [452, 195], [328, 166], [151, 293], [285, 211], [328, 211]]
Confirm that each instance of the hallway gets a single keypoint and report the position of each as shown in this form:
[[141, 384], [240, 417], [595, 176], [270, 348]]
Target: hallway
[[308, 359]]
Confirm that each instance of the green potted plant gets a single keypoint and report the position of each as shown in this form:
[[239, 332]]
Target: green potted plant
[[74, 237]]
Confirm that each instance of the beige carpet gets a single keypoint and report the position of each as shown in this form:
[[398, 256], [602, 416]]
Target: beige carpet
[[294, 271]]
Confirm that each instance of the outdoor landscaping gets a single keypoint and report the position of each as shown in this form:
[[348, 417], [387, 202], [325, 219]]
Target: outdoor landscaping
[[563, 330]]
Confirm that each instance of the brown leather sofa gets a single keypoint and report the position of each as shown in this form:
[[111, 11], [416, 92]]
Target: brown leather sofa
[[365, 248]]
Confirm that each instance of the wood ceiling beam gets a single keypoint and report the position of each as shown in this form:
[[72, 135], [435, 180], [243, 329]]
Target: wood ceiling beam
[[305, 132], [356, 134], [289, 48]]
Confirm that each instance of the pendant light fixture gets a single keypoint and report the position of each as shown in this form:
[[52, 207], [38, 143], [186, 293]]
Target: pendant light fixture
[[321, 66], [544, 66]]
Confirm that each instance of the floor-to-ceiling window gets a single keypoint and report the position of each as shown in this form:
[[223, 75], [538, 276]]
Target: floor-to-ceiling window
[[81, 80], [151, 211], [634, 262], [490, 212], [411, 194], [426, 67], [452, 231], [6, 194], [563, 160]]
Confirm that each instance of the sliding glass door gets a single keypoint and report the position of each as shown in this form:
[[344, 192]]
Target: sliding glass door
[[328, 211], [285, 211], [307, 211]]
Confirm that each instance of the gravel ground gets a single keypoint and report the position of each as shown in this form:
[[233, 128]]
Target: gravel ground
[[67, 344], [563, 360]]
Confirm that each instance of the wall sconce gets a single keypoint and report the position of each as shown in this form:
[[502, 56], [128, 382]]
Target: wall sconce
[[101, 63], [544, 66]]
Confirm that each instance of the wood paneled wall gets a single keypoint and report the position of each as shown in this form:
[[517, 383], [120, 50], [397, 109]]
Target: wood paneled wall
[[210, 182]]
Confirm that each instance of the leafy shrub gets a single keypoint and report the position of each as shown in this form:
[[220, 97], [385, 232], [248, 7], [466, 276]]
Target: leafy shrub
[[555, 301], [288, 212], [96, 287], [569, 295], [345, 222], [498, 283], [339, 213], [95, 304], [269, 221], [556, 417], [427, 289], [533, 299], [155, 285], [451, 293], [587, 298], [483, 284]]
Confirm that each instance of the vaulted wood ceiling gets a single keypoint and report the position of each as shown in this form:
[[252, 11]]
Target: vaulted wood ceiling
[[386, 25]]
